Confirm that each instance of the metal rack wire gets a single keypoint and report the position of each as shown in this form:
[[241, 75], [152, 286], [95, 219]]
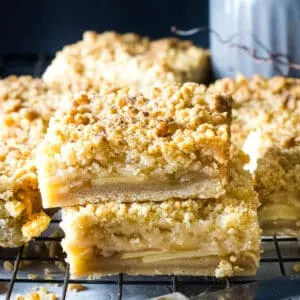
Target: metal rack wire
[[278, 258]]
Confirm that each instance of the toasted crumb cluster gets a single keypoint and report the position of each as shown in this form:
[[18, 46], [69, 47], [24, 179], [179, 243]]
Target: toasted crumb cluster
[[8, 266], [226, 269], [128, 59], [76, 287], [41, 293], [278, 171], [174, 225], [164, 134], [26, 105]]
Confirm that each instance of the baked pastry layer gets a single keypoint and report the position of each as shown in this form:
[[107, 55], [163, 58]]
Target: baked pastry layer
[[209, 237], [266, 124], [26, 105], [128, 59], [172, 141]]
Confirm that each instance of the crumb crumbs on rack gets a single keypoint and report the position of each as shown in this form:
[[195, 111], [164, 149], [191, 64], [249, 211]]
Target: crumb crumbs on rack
[[296, 268], [8, 265], [32, 276], [40, 293], [76, 288], [48, 273]]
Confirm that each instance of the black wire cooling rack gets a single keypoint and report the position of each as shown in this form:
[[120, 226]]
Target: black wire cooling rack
[[279, 254]]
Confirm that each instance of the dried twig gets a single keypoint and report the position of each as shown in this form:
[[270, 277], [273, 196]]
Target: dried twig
[[278, 59]]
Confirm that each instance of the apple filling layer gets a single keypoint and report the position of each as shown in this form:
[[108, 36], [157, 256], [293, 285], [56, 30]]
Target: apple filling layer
[[128, 189]]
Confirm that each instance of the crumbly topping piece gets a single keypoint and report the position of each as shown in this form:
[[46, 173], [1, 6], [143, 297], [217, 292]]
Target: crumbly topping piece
[[16, 229], [162, 134], [110, 57], [8, 265], [32, 276], [32, 228], [224, 269], [278, 171], [76, 288], [26, 105], [14, 208], [41, 293]]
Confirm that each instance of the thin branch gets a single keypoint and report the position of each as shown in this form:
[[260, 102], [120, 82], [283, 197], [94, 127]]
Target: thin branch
[[203, 29], [278, 59]]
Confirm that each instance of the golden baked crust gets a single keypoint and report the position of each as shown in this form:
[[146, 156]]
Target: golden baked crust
[[128, 59], [172, 141], [26, 105], [213, 236], [266, 123]]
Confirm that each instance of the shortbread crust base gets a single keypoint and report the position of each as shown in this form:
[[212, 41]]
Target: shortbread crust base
[[130, 192]]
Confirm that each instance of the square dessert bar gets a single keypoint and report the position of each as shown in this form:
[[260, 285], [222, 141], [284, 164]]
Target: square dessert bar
[[266, 124], [171, 141], [219, 237], [26, 105], [128, 59]]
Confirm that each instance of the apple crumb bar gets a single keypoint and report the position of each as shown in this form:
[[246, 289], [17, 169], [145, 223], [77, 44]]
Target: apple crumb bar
[[128, 59], [266, 124], [26, 105], [171, 142]]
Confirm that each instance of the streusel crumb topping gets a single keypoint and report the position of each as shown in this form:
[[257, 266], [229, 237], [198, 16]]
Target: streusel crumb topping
[[271, 106], [128, 59], [278, 171], [26, 105], [165, 132]]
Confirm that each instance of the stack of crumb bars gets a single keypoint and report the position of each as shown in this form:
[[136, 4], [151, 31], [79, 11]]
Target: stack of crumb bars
[[146, 164]]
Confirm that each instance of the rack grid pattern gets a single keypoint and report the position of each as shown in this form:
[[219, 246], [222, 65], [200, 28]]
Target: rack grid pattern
[[280, 253]]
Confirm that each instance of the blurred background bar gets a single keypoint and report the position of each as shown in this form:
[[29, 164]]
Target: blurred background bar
[[45, 26]]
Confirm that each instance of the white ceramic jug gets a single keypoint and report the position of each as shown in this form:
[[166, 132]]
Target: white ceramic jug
[[261, 31]]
